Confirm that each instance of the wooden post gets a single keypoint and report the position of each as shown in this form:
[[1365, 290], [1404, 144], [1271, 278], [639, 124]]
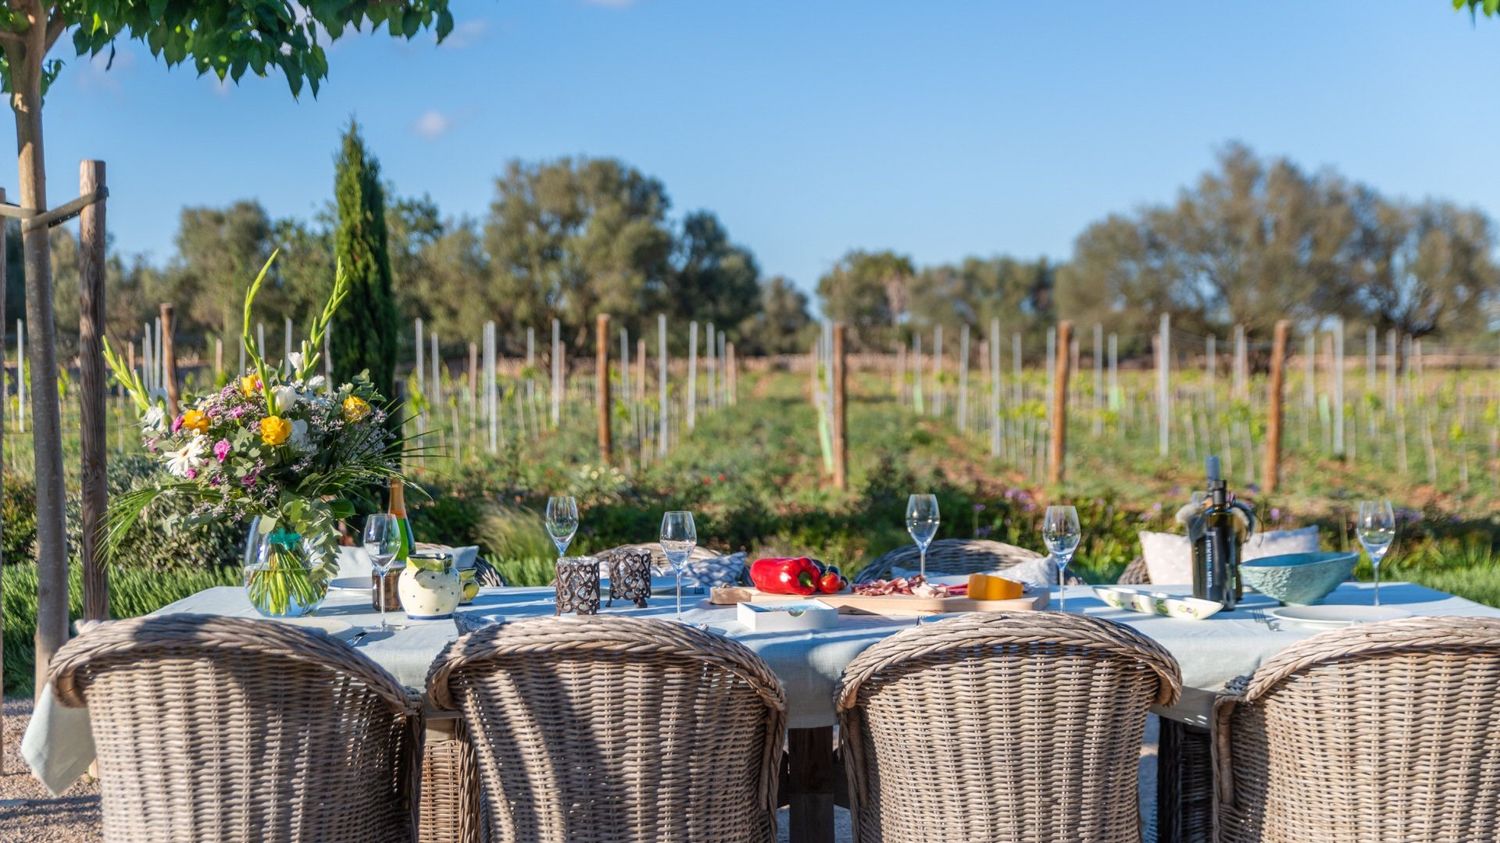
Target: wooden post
[[692, 376], [661, 361], [218, 358], [1164, 386], [601, 384], [168, 358], [1338, 387], [840, 402], [732, 372], [91, 381], [1058, 452], [473, 374], [1271, 476]]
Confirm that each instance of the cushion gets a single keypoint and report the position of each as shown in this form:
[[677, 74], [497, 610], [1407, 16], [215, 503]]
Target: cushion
[[718, 570], [1169, 556]]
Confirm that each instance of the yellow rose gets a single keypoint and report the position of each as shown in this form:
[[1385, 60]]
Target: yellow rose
[[355, 408], [274, 430], [249, 386], [195, 420]]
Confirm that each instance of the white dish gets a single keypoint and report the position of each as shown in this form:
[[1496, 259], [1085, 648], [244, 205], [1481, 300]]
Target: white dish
[[787, 615], [332, 626], [1157, 603], [1335, 616], [364, 583]]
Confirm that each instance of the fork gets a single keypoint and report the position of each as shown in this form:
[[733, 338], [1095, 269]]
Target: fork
[[1260, 615]]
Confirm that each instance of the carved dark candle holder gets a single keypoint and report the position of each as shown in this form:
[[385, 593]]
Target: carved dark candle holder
[[578, 585], [630, 576]]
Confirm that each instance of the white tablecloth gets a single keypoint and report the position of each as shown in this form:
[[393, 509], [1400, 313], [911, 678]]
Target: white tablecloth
[[59, 746]]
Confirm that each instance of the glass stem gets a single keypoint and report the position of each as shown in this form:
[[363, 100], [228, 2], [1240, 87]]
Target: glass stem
[[382, 601], [922, 565], [679, 594], [1375, 563], [1062, 585]]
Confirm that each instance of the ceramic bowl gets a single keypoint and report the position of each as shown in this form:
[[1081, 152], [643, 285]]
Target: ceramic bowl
[[1298, 579]]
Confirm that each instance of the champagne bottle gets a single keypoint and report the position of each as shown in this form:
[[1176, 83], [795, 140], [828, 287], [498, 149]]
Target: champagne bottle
[[397, 508], [1216, 544]]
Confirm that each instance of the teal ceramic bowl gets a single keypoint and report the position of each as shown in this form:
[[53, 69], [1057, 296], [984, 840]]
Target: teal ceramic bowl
[[1298, 579]]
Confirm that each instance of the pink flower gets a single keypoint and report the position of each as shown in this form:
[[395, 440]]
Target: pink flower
[[177, 424], [249, 479], [192, 474], [221, 449]]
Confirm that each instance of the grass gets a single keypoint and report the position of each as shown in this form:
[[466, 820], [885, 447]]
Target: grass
[[132, 592]]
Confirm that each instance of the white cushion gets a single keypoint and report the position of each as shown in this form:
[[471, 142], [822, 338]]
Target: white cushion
[[1278, 542], [1169, 556]]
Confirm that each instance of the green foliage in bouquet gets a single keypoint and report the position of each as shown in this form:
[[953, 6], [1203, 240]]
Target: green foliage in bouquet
[[280, 444]]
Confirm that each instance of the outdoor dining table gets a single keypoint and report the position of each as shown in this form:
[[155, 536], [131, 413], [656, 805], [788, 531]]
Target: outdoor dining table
[[58, 744]]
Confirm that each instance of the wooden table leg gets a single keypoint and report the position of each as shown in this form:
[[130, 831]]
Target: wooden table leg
[[810, 785]]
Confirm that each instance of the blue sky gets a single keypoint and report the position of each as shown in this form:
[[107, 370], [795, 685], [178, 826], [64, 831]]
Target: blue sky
[[940, 129]]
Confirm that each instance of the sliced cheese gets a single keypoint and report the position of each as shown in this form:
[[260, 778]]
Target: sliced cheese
[[991, 587]]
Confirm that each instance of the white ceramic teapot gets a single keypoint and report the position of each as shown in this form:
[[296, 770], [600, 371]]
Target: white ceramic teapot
[[429, 586]]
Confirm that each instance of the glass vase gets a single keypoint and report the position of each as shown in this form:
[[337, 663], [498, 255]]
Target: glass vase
[[283, 578]]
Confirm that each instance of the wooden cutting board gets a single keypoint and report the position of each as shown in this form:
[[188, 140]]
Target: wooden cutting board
[[890, 605]]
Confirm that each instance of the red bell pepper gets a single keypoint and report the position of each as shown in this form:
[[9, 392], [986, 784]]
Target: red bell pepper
[[785, 575]]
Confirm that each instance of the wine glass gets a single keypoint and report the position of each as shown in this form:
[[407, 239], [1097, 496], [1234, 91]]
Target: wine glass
[[1061, 533], [922, 523], [1376, 525], [562, 522], [382, 542], [678, 538]]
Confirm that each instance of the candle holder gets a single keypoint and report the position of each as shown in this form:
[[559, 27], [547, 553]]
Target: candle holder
[[577, 585], [630, 576]]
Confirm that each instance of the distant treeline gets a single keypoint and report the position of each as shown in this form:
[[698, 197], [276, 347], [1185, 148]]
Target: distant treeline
[[1252, 241]]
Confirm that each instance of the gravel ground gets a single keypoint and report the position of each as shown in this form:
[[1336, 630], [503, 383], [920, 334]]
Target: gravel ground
[[29, 813]]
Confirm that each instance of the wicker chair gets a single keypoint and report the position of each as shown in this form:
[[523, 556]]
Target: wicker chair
[[1135, 573], [1386, 732], [229, 729], [948, 556], [1004, 726], [616, 729]]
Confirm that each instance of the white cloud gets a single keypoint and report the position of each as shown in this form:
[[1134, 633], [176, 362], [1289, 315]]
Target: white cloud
[[466, 34], [433, 124]]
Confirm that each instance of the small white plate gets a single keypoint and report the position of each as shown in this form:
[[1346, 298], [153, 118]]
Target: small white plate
[[352, 583], [1335, 616], [333, 626]]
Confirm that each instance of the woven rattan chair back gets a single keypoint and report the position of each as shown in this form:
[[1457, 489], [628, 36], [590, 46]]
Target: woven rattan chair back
[[1135, 573], [1385, 732], [616, 729], [948, 556], [1014, 726], [230, 729], [658, 556]]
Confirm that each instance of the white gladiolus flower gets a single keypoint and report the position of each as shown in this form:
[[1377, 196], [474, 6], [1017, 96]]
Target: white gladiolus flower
[[295, 361], [316, 382], [299, 437], [155, 418], [286, 398]]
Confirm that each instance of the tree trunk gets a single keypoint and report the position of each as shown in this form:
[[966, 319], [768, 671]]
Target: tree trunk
[[91, 381], [46, 433]]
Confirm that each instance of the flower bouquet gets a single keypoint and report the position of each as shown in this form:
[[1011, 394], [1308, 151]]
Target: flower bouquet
[[277, 444]]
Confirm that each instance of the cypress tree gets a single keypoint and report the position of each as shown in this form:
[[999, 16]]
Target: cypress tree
[[363, 334]]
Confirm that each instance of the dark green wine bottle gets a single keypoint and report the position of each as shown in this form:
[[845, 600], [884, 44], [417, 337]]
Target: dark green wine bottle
[[1216, 546]]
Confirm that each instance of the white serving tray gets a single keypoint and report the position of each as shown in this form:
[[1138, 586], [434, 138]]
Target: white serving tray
[[787, 616]]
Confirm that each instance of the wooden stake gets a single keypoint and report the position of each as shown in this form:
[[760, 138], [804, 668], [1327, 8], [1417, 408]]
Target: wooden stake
[[1058, 452], [1271, 476], [601, 386], [1164, 386], [169, 358], [692, 381], [93, 444], [840, 403]]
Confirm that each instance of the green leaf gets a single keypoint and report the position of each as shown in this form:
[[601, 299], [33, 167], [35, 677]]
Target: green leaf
[[1490, 7]]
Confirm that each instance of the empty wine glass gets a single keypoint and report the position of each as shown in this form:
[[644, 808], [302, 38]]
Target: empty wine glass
[[1376, 525], [382, 541], [678, 538], [562, 522], [1061, 533], [922, 523]]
